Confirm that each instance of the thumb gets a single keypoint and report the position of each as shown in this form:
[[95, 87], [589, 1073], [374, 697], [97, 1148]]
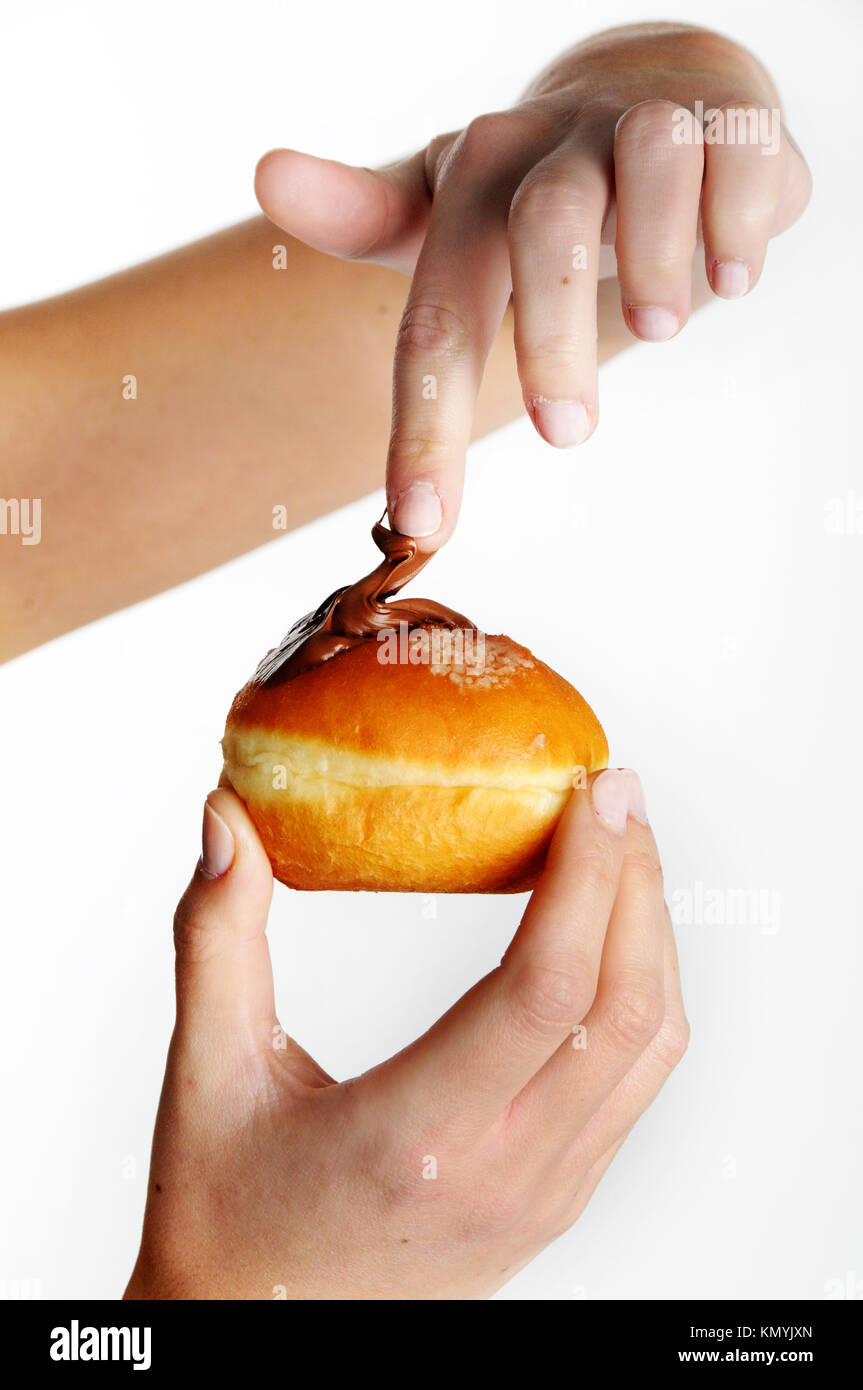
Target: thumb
[[224, 976], [358, 214]]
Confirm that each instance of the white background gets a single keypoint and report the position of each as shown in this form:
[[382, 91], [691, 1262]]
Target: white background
[[716, 632]]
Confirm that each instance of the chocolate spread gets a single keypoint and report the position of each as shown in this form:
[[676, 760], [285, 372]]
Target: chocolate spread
[[359, 611]]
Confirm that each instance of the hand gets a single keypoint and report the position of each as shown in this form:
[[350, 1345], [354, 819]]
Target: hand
[[529, 201], [444, 1170]]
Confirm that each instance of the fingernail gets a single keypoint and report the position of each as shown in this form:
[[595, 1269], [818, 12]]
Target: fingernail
[[561, 423], [217, 844], [418, 510], [730, 279], [653, 324], [637, 803], [618, 793]]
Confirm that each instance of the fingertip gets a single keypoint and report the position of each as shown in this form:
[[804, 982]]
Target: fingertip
[[417, 511], [730, 279], [223, 974], [230, 843], [607, 798], [653, 323], [426, 509], [225, 801], [294, 189], [267, 157], [562, 423], [617, 794], [267, 170], [217, 842], [577, 820]]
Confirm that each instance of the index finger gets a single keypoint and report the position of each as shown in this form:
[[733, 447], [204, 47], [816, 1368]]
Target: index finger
[[483, 1052], [457, 300]]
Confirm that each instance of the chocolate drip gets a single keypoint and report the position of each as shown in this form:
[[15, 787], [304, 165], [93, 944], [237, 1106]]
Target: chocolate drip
[[357, 612]]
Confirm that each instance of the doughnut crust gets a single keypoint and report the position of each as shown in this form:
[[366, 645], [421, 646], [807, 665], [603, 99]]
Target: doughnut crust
[[426, 777]]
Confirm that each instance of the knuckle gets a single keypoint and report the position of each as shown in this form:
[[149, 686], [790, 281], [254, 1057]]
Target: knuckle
[[486, 138], [597, 873], [556, 347], [544, 198], [636, 1013], [548, 999], [437, 151], [431, 327], [746, 209], [193, 941], [645, 871], [418, 455], [667, 255], [649, 123]]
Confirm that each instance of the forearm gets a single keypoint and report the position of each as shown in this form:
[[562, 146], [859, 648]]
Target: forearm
[[255, 388]]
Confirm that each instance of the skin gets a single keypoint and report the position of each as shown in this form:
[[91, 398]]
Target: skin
[[271, 1180], [234, 372], [257, 388], [246, 373], [586, 159]]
